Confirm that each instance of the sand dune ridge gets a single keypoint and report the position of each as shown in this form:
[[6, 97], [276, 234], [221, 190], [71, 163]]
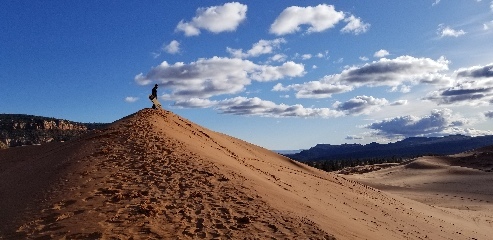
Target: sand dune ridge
[[156, 175]]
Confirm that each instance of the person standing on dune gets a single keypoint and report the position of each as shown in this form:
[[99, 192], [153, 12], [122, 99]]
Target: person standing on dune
[[154, 95]]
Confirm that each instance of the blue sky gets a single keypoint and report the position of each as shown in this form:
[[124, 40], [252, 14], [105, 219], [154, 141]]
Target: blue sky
[[279, 74]]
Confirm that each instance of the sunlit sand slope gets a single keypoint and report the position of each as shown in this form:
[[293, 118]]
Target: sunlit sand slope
[[156, 175]]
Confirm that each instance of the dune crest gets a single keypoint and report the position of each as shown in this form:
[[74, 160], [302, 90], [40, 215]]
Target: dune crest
[[157, 175]]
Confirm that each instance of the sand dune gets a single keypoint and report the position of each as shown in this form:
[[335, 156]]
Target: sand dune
[[155, 175], [454, 183]]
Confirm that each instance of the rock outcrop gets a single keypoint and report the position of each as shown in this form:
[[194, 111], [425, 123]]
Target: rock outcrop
[[20, 129]]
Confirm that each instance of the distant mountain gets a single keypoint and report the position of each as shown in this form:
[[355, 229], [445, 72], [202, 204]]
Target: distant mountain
[[409, 147], [20, 129], [285, 152]]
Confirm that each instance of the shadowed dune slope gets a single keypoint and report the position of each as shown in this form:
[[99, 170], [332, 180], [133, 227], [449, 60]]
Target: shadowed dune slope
[[156, 175]]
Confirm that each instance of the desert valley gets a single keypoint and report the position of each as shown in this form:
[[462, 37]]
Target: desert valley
[[156, 175]]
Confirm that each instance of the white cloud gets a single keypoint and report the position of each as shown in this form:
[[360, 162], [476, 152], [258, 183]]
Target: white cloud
[[323, 55], [399, 103], [438, 1], [446, 31], [279, 57], [264, 73], [280, 88], [439, 123], [319, 18], [215, 19], [401, 88], [363, 58], [173, 47], [306, 56], [487, 25], [195, 103], [314, 89], [472, 86], [355, 25], [259, 48], [401, 72], [395, 72], [258, 107], [361, 105], [215, 76], [477, 72], [381, 53], [131, 99]]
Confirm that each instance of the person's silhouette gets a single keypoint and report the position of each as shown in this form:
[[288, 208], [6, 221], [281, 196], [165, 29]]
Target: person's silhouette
[[154, 95]]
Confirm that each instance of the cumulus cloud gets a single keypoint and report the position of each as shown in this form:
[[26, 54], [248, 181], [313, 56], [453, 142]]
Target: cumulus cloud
[[364, 58], [355, 25], [323, 55], [472, 86], [401, 89], [401, 71], [279, 58], [131, 99], [259, 48], [361, 105], [440, 122], [487, 25], [215, 19], [195, 103], [258, 107], [394, 72], [306, 56], [399, 103], [456, 95], [485, 72], [446, 31], [381, 53], [488, 114], [314, 89], [173, 47], [215, 76], [319, 18]]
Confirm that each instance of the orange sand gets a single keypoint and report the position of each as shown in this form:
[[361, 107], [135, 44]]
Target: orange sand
[[155, 175]]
